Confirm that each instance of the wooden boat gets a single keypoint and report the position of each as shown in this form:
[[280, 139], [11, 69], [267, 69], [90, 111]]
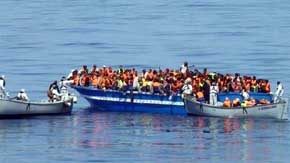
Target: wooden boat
[[12, 107], [277, 110], [116, 101]]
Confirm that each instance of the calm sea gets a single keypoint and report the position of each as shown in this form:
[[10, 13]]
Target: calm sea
[[42, 40]]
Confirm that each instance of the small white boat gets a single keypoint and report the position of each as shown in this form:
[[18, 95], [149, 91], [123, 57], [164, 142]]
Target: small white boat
[[12, 107], [274, 110]]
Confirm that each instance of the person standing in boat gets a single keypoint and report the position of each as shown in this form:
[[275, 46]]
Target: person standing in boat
[[22, 95], [54, 84], [56, 96], [206, 90], [184, 69], [213, 94], [2, 86], [245, 94], [53, 91], [279, 92]]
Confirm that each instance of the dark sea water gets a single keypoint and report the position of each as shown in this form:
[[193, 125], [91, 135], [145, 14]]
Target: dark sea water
[[42, 40]]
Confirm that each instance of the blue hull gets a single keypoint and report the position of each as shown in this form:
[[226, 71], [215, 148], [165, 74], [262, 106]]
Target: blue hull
[[115, 101]]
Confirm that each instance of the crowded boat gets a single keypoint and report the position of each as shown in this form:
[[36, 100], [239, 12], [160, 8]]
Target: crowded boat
[[203, 85]]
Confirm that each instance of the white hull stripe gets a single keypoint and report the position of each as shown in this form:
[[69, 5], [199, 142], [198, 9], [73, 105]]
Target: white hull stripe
[[136, 101]]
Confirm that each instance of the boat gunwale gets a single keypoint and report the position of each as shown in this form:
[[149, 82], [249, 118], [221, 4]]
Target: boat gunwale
[[116, 91], [32, 102], [232, 108]]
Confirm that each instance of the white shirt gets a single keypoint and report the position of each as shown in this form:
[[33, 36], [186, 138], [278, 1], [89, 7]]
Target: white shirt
[[1, 83], [280, 90], [135, 82], [183, 69], [22, 96], [245, 95], [214, 89], [187, 89], [55, 92]]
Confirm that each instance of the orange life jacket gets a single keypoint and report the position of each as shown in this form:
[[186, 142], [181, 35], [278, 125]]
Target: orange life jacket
[[94, 81], [76, 80], [199, 95], [249, 103], [268, 88], [227, 103], [236, 103], [237, 88], [83, 80], [156, 84]]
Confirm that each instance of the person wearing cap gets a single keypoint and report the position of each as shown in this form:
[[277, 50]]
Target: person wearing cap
[[22, 95]]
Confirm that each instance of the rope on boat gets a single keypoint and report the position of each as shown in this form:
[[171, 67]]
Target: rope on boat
[[201, 107], [28, 107], [244, 110]]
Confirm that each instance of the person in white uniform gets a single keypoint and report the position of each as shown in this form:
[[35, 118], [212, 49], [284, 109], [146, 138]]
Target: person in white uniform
[[279, 92], [213, 94], [245, 94], [22, 95]]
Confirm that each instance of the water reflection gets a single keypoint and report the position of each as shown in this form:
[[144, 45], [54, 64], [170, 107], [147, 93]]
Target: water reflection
[[103, 134]]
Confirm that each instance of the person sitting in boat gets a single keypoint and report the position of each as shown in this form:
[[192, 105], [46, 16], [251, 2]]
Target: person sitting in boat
[[253, 101], [56, 96], [264, 101], [85, 80], [187, 88], [156, 85], [279, 92], [166, 88], [227, 103], [236, 102], [136, 83], [249, 102], [121, 84], [84, 69], [22, 96]]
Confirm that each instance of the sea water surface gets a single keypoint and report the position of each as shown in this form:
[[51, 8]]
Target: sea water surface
[[42, 40]]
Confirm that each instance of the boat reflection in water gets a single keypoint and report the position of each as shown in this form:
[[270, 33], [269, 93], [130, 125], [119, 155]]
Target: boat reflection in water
[[150, 137]]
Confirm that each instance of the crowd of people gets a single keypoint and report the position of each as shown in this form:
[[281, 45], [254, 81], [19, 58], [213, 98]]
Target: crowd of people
[[204, 85]]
